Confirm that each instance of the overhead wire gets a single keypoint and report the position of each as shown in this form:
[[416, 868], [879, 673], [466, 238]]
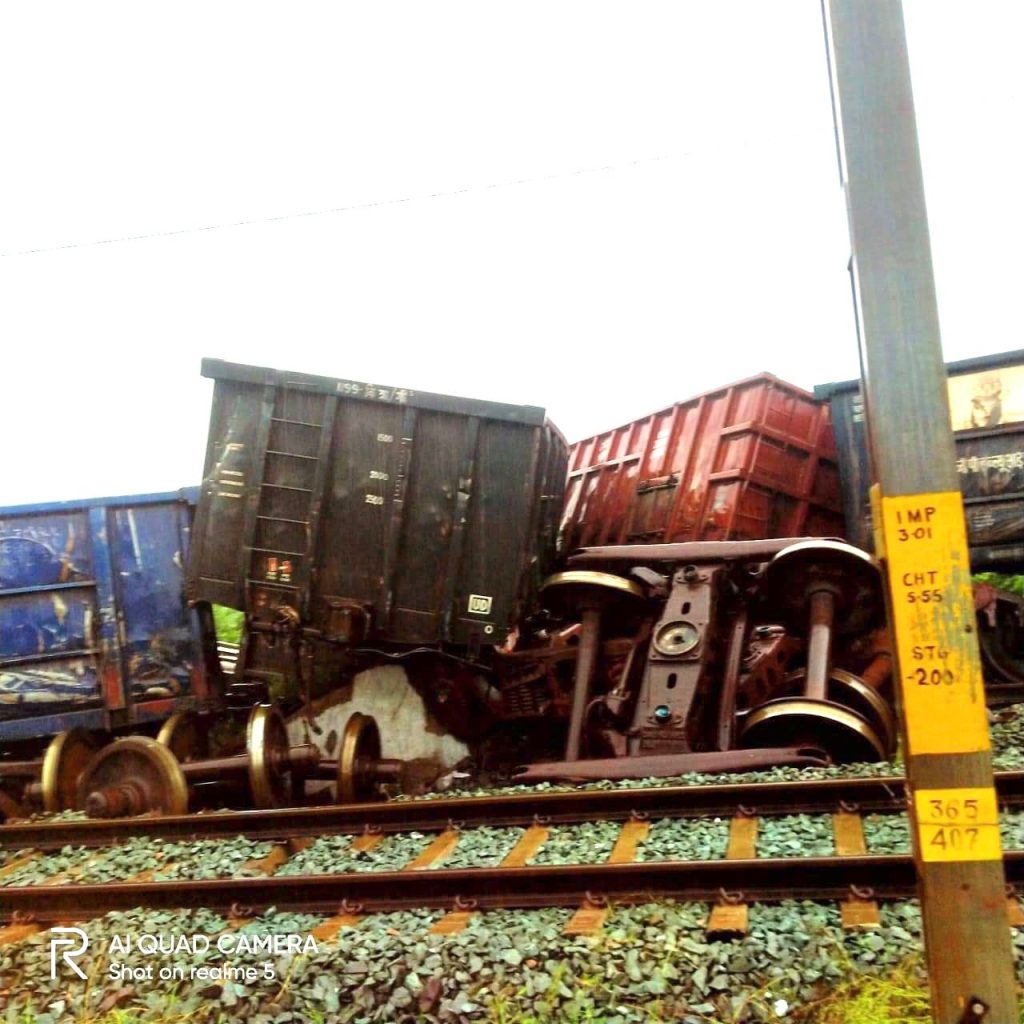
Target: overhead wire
[[374, 204], [443, 194]]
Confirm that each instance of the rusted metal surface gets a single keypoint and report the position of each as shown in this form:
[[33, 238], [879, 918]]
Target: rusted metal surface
[[685, 553], [651, 766], [885, 793], [763, 880], [753, 459]]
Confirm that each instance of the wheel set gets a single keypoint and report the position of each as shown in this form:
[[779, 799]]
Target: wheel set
[[138, 775], [818, 590], [141, 775]]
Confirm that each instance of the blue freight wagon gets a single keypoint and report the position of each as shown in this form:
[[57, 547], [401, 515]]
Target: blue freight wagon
[[95, 628]]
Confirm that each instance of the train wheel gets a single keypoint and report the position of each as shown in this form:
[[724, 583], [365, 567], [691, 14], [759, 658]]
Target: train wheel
[[266, 743], [358, 758], [184, 736], [63, 763], [134, 775], [800, 721], [849, 690]]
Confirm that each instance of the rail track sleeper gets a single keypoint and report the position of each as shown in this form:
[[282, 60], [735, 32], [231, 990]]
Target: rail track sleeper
[[366, 842], [859, 910], [442, 847], [527, 846], [1014, 910], [730, 916], [12, 933], [629, 840], [848, 833], [590, 918]]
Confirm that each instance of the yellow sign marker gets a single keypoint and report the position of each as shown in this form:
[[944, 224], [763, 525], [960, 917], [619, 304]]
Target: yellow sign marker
[[925, 544], [957, 824]]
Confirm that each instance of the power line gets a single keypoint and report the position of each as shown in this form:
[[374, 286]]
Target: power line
[[514, 183]]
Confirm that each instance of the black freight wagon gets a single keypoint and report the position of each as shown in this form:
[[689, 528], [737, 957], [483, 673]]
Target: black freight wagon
[[986, 397], [336, 512]]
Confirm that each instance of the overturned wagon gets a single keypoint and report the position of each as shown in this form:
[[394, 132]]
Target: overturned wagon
[[751, 460]]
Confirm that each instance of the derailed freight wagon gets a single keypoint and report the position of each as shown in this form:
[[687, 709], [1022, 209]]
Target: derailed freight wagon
[[95, 631], [748, 461], [347, 519]]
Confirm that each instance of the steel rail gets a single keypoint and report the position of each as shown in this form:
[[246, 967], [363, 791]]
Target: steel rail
[[884, 877], [765, 799]]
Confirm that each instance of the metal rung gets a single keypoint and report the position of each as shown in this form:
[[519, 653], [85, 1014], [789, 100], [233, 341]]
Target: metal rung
[[292, 455], [278, 519], [280, 551], [286, 487], [297, 423]]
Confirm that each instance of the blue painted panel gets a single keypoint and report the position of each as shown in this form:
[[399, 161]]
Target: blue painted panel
[[39, 624], [148, 546], [93, 617], [42, 550], [48, 725], [32, 689], [188, 495], [47, 614]]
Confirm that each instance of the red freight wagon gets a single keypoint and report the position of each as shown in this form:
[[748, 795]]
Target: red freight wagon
[[751, 460]]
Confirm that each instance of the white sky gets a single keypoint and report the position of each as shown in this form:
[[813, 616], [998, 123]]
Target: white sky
[[599, 208]]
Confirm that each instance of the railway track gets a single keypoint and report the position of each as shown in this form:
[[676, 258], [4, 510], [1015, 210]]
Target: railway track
[[762, 880], [763, 799], [852, 875]]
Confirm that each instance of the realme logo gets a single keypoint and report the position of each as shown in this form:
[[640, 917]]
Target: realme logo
[[480, 604], [81, 944]]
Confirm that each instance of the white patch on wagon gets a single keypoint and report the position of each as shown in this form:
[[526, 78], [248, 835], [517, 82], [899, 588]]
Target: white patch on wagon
[[406, 731]]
